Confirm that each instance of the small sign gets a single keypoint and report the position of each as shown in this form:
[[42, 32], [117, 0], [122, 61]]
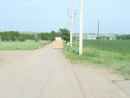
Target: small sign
[[58, 39]]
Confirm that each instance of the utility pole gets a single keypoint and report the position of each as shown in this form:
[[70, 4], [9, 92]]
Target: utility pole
[[98, 34], [71, 28], [81, 29], [72, 16]]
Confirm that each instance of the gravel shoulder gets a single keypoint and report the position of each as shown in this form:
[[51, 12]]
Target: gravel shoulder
[[45, 73]]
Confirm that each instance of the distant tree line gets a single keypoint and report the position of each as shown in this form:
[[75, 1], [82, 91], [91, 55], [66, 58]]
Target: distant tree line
[[50, 36], [123, 37], [105, 38], [117, 37]]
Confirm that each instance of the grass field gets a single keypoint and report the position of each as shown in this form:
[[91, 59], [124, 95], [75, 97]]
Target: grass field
[[27, 45], [113, 54]]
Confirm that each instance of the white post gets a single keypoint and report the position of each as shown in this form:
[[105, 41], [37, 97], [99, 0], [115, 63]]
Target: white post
[[71, 29], [81, 29]]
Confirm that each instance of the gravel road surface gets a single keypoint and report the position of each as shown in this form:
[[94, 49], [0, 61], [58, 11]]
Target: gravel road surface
[[45, 73]]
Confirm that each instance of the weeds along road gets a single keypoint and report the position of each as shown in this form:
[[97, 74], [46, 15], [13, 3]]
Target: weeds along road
[[45, 73]]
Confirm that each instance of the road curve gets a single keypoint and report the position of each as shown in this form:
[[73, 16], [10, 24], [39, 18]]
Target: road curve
[[45, 73]]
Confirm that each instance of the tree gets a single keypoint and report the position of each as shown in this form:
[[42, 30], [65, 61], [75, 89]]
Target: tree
[[36, 37], [65, 34], [22, 38], [108, 38]]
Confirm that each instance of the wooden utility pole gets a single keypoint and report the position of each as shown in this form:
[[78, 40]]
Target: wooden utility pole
[[81, 29], [98, 34], [72, 23], [72, 14]]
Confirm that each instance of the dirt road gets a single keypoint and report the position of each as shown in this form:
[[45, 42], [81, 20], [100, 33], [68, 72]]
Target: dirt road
[[45, 73]]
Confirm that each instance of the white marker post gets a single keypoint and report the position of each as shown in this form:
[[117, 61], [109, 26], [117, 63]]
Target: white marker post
[[81, 29]]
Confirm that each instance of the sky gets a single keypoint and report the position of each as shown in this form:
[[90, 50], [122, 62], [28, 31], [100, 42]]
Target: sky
[[48, 15]]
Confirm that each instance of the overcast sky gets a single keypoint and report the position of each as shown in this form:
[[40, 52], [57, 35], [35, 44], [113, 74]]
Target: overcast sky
[[47, 15]]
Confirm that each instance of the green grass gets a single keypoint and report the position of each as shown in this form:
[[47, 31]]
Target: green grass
[[113, 54], [27, 45]]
